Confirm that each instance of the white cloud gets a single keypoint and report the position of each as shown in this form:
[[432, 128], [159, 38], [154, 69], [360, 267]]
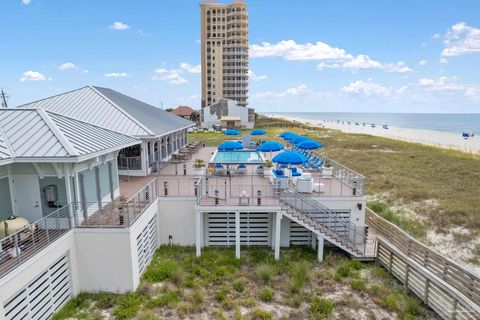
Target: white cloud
[[68, 66], [443, 60], [119, 26], [26, 2], [450, 85], [295, 91], [461, 39], [117, 75], [254, 77], [172, 76], [436, 36], [331, 57], [33, 76], [422, 62], [191, 69], [366, 88]]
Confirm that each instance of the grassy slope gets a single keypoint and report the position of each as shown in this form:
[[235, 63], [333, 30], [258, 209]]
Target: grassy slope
[[218, 286], [441, 186]]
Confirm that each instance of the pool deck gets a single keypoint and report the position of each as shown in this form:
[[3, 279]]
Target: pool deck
[[180, 178]]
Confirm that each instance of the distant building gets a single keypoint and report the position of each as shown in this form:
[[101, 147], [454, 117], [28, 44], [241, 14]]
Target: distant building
[[227, 114], [186, 112], [224, 45]]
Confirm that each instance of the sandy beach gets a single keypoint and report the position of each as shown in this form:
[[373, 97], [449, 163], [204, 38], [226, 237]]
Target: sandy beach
[[442, 139]]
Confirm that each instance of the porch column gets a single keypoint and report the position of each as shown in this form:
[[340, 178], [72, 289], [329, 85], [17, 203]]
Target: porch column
[[237, 234], [198, 232], [152, 155], [144, 157], [278, 229], [320, 248]]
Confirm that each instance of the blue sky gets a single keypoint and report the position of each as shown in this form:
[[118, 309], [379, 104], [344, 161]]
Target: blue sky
[[309, 55]]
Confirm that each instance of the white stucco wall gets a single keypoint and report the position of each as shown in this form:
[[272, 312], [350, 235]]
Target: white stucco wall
[[176, 217]]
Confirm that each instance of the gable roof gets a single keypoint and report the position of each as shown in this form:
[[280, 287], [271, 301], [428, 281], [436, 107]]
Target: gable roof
[[112, 110], [36, 134]]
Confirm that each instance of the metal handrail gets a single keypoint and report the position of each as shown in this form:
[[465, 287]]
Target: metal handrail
[[22, 245], [319, 208]]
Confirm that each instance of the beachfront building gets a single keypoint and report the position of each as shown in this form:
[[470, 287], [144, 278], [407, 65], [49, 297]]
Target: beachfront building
[[161, 133], [71, 225], [224, 45], [227, 114]]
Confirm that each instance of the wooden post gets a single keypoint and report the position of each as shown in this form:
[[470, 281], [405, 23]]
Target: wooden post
[[321, 245], [390, 263], [427, 289], [407, 273]]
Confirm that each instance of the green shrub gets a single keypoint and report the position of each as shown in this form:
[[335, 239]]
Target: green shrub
[[160, 271], [196, 298], [345, 270], [300, 274], [265, 273], [128, 306], [390, 301], [239, 285], [266, 295], [356, 265], [321, 308], [170, 299], [358, 284], [260, 314], [220, 295]]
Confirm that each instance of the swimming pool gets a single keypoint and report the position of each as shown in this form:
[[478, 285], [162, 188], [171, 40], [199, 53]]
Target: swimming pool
[[234, 157]]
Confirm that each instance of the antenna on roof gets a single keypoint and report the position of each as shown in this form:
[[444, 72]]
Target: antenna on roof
[[4, 98]]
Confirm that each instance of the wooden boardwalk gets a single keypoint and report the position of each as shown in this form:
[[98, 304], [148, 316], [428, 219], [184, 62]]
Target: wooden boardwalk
[[449, 289]]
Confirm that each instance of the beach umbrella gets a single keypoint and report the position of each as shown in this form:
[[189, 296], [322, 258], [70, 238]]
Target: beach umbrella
[[258, 132], [298, 139], [285, 134], [230, 146], [290, 137], [309, 145], [290, 157], [270, 146], [231, 132]]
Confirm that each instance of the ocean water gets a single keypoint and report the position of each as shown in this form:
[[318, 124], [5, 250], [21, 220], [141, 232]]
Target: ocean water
[[450, 122]]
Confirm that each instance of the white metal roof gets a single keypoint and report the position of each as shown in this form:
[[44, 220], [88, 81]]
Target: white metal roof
[[38, 134], [4, 150], [112, 110]]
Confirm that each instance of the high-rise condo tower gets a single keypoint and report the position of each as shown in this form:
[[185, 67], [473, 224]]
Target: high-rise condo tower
[[224, 41]]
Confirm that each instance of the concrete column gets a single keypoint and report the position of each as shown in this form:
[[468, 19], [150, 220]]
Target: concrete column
[[314, 241], [320, 248], [237, 234], [198, 232], [152, 156], [278, 229], [144, 157]]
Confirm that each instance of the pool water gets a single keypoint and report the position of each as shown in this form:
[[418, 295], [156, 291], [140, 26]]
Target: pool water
[[247, 157]]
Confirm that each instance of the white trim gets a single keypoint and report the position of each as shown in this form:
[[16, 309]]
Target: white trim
[[39, 170], [12, 190], [58, 134], [57, 169]]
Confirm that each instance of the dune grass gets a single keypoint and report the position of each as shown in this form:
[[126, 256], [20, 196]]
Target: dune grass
[[440, 186], [218, 286]]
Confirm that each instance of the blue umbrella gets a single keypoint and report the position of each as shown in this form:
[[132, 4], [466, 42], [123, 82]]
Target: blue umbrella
[[309, 145], [285, 134], [290, 137], [270, 146], [298, 139], [231, 132], [230, 145], [258, 132], [290, 157]]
